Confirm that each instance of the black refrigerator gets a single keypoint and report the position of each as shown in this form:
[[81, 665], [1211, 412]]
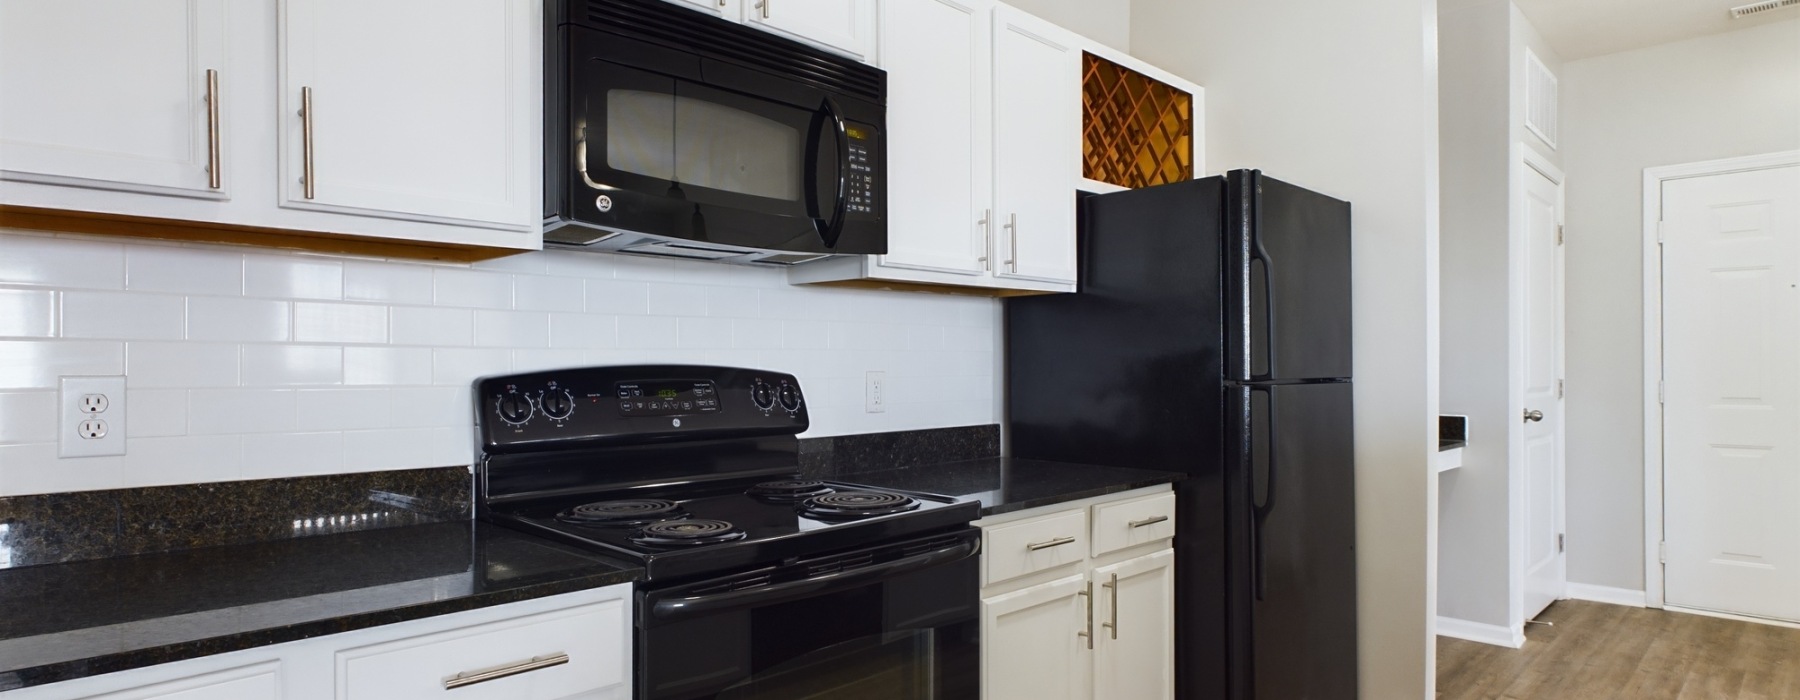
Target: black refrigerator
[[1211, 336]]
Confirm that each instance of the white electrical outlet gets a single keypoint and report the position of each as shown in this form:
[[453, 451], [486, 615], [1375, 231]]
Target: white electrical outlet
[[93, 417], [875, 393]]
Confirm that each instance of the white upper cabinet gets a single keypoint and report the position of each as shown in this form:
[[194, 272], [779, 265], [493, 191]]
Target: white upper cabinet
[[1037, 142], [724, 8], [113, 93], [939, 189], [415, 109], [848, 26]]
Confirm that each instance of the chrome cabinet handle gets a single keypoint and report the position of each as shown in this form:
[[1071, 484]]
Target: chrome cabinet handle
[[1046, 544], [1533, 415], [214, 178], [1148, 521], [466, 679], [306, 142], [987, 234], [1012, 224], [1112, 588], [1088, 595], [761, 5]]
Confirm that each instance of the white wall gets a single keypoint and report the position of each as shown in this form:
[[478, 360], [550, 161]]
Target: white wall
[[1713, 97], [246, 363], [1105, 21], [1341, 97]]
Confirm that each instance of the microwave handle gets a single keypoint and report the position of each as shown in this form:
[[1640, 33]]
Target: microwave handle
[[830, 229]]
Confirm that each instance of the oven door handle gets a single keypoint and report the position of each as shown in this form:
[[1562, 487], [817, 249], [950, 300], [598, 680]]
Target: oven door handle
[[677, 607]]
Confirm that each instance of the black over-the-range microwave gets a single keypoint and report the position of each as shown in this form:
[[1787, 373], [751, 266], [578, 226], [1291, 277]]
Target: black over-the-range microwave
[[672, 132]]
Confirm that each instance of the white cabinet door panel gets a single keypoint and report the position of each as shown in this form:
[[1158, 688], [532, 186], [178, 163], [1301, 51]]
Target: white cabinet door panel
[[939, 191], [1037, 142], [844, 25], [110, 94], [724, 8], [1135, 642], [1032, 644], [421, 109]]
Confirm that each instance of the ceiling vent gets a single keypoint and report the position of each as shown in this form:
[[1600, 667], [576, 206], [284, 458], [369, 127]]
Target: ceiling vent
[[1753, 8], [1540, 99]]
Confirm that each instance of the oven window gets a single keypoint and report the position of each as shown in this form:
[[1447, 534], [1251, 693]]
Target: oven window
[[697, 142], [893, 666]]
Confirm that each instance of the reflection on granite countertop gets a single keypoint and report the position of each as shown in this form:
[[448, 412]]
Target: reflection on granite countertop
[[78, 619], [1004, 485], [1448, 445]]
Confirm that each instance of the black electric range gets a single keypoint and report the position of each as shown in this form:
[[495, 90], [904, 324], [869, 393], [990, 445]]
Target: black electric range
[[795, 587]]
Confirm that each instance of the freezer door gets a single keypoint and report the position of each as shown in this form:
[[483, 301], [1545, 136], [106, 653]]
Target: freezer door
[[1287, 281], [1298, 504]]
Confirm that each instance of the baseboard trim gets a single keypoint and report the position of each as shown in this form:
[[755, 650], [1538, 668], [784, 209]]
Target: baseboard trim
[[1480, 632], [1733, 616], [1607, 594]]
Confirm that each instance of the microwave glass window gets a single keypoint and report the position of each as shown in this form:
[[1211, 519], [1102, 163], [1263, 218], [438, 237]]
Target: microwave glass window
[[696, 142]]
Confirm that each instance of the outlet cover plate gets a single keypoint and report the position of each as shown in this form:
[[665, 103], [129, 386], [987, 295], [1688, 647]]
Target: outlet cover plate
[[77, 392], [875, 393]]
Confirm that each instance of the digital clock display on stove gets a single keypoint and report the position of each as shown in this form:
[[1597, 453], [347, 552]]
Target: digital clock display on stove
[[667, 398]]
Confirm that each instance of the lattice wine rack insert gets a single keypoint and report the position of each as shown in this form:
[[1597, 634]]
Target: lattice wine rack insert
[[1137, 131]]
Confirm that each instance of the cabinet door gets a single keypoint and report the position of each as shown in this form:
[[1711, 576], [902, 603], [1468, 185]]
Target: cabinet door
[[111, 93], [1134, 652], [847, 26], [1032, 643], [1037, 144], [724, 8], [419, 109], [938, 120]]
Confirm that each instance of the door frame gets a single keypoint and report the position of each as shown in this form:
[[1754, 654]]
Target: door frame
[[1527, 159], [1654, 178]]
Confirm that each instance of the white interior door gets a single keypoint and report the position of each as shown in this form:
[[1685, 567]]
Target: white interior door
[[1546, 578], [1731, 369]]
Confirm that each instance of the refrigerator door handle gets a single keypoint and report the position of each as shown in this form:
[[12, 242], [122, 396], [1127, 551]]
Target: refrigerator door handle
[[1259, 252], [1260, 511]]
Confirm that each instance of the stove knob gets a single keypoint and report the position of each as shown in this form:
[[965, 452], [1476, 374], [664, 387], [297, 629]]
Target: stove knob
[[558, 405], [762, 396], [515, 409], [790, 397]]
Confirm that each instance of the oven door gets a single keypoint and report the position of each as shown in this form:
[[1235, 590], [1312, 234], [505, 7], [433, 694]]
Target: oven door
[[895, 622], [688, 148]]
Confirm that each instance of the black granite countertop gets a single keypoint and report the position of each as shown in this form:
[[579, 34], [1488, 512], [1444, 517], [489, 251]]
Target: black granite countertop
[[85, 618], [1004, 485]]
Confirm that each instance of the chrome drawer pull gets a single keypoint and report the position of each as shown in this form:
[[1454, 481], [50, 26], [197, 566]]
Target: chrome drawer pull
[[1149, 521], [465, 679], [1058, 542]]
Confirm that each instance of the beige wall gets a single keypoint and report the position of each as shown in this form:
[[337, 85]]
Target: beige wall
[[1718, 96], [1341, 97], [1105, 21]]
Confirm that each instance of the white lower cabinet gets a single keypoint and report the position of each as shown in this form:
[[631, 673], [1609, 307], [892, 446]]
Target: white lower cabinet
[[569, 647], [1097, 625]]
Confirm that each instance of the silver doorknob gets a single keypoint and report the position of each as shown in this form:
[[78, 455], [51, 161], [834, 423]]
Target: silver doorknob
[[1533, 415]]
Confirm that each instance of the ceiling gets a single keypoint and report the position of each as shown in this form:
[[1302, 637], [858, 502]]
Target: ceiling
[[1581, 28]]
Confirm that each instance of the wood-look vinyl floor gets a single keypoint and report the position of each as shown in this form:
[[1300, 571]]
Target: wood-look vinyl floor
[[1610, 652]]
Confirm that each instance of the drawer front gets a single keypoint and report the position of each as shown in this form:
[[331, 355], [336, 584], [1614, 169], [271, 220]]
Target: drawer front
[[540, 657], [1017, 549], [249, 683], [1134, 522]]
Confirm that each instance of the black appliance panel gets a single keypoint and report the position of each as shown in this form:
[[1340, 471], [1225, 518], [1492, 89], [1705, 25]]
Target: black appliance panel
[[1293, 450], [1291, 246], [899, 621], [573, 409], [677, 124]]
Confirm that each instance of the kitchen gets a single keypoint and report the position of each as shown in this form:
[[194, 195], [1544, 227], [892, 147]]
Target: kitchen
[[263, 385]]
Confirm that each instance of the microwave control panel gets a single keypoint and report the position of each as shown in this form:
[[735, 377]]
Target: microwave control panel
[[860, 182]]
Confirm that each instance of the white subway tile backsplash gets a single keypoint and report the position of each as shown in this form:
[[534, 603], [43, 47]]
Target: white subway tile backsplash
[[268, 364], [375, 366], [316, 322], [27, 313], [512, 329], [375, 281], [36, 364], [231, 411], [156, 412], [123, 315], [292, 365], [183, 270], [58, 262], [293, 277], [475, 289]]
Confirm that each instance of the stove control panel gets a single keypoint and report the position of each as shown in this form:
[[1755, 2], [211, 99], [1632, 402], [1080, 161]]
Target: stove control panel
[[559, 409]]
